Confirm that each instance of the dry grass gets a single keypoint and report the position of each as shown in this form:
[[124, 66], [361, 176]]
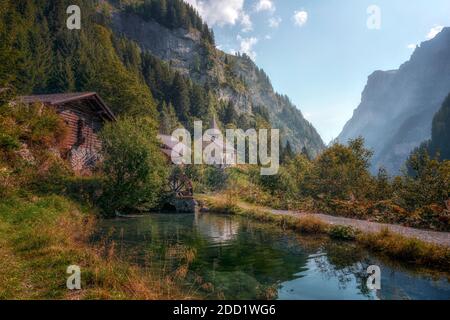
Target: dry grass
[[311, 225], [41, 237], [222, 204], [407, 250]]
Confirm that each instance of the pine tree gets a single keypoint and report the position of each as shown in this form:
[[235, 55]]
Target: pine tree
[[288, 153], [168, 119], [383, 186], [305, 153], [229, 114], [198, 102], [41, 53], [161, 9], [61, 77], [8, 53], [180, 98]]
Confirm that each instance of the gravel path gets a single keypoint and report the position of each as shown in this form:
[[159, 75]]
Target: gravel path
[[441, 238]]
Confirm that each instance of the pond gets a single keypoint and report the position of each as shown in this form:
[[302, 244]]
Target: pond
[[231, 257]]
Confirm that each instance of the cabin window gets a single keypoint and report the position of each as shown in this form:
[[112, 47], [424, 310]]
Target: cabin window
[[80, 132]]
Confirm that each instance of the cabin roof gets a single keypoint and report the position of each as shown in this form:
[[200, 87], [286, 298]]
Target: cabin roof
[[63, 98]]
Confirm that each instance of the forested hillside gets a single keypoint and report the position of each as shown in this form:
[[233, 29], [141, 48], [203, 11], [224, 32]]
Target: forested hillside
[[45, 57], [438, 145], [440, 132]]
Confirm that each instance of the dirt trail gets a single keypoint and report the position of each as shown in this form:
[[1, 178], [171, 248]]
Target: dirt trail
[[441, 238]]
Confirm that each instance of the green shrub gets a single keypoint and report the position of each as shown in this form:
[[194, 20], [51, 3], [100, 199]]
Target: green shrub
[[215, 178], [342, 232], [341, 172], [134, 167], [8, 142]]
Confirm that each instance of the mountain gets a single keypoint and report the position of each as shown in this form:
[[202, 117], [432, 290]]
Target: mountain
[[233, 78], [397, 107], [440, 132], [152, 58]]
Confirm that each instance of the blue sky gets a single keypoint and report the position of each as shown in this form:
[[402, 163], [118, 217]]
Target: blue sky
[[320, 52]]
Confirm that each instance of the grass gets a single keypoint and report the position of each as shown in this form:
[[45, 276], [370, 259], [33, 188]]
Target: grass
[[408, 250], [394, 246], [41, 236]]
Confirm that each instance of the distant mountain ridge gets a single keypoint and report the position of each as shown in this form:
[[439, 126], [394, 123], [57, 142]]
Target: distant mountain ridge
[[397, 106]]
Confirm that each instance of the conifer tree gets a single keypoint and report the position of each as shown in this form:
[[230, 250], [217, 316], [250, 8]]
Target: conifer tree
[[287, 154], [168, 119], [180, 98], [61, 76], [198, 102], [229, 114]]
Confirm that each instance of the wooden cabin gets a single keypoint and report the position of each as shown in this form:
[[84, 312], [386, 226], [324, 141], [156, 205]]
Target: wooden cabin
[[85, 114]]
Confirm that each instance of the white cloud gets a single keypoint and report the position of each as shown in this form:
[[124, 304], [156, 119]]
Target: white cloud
[[268, 37], [220, 12], [246, 46], [274, 22], [300, 17], [430, 35], [265, 5], [434, 31], [246, 23]]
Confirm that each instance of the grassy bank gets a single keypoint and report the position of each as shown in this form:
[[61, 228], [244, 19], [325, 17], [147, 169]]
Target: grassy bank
[[41, 236], [406, 250]]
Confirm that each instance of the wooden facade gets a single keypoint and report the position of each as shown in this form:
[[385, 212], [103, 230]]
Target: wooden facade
[[84, 115]]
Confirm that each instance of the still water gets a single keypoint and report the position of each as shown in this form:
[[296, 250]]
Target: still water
[[229, 257]]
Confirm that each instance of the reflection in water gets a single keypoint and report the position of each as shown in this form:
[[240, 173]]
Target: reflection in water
[[219, 231], [235, 258], [321, 280]]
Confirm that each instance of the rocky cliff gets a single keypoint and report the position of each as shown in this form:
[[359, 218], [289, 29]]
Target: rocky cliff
[[397, 107], [234, 78]]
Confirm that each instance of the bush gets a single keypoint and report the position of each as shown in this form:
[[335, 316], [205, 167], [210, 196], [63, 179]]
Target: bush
[[341, 172], [342, 232], [215, 178], [426, 181], [310, 225], [134, 167]]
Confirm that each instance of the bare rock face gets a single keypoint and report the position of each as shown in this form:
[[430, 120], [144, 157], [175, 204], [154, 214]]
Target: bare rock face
[[397, 107], [181, 47], [184, 51]]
